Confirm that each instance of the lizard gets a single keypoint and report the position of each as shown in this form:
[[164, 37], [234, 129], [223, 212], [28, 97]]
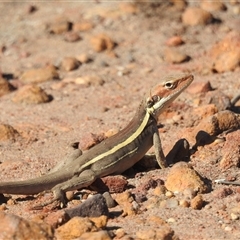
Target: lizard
[[112, 156]]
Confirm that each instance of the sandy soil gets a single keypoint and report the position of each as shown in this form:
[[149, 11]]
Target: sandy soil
[[135, 64]]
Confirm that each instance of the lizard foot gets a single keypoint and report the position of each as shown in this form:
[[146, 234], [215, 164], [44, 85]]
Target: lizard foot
[[59, 201]]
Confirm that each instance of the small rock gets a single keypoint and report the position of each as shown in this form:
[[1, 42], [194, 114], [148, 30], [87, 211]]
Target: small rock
[[89, 80], [39, 75], [174, 41], [115, 184], [119, 233], [199, 87], [109, 200], [69, 64], [234, 216], [125, 200], [184, 203], [7, 132], [71, 37], [218, 98], [212, 6], [56, 219], [162, 232], [31, 94], [226, 53], [100, 235], [14, 227], [214, 125], [171, 220], [205, 110], [231, 151], [74, 228], [227, 61], [159, 190], [82, 26], [92, 207], [169, 194], [31, 9], [102, 42], [5, 87], [100, 222], [197, 202], [181, 176], [196, 16], [60, 26], [84, 58], [174, 56]]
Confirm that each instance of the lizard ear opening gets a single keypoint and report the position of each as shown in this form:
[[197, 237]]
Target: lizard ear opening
[[152, 100]]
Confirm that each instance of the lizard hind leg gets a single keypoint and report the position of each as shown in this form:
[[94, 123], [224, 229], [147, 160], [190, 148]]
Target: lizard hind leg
[[84, 179]]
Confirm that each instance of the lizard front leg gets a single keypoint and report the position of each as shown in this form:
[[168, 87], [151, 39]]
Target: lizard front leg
[[158, 149]]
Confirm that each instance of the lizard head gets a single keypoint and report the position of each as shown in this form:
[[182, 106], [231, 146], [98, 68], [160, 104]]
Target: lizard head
[[165, 93]]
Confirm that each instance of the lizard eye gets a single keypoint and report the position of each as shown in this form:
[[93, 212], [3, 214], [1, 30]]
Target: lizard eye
[[169, 85]]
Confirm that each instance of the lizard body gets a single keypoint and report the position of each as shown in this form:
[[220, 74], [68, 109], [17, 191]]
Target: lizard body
[[113, 155]]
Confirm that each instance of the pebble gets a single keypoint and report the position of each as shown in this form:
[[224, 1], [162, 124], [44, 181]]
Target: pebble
[[125, 200], [159, 190], [59, 26], [227, 61], [226, 53], [31, 94], [109, 200], [162, 232], [115, 184], [89, 80], [119, 233], [230, 151], [5, 87], [199, 87], [171, 220], [214, 125], [94, 206], [72, 37], [102, 42], [174, 41], [39, 75], [175, 56], [196, 16], [7, 132], [83, 58], [169, 194], [234, 216], [82, 26], [69, 64], [197, 202], [74, 228], [184, 203], [14, 227], [100, 235], [181, 177]]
